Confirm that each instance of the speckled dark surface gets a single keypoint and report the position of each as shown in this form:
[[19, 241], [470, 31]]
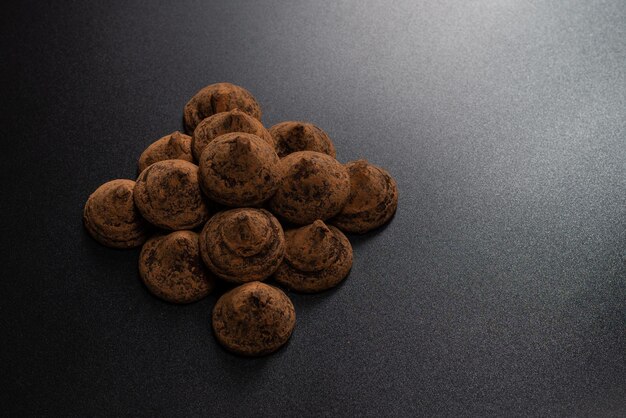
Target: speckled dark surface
[[498, 288]]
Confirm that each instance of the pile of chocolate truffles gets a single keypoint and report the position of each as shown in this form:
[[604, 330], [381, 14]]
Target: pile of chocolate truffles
[[231, 200]]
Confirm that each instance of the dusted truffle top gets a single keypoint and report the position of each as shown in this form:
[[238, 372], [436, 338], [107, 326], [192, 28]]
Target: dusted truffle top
[[317, 258], [310, 247], [216, 98], [111, 218], [313, 186], [175, 146], [223, 123], [373, 198], [300, 136], [253, 319], [242, 245], [239, 169], [172, 269], [168, 195]]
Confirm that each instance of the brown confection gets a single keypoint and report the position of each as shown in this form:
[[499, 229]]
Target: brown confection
[[253, 319], [239, 169], [223, 123], [317, 257], [373, 198], [216, 98], [172, 269], [111, 218], [175, 146], [168, 195], [242, 245], [300, 136], [313, 186]]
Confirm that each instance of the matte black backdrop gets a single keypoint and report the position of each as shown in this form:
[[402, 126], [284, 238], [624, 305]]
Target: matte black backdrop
[[499, 287]]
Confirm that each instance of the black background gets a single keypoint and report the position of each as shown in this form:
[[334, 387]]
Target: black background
[[498, 289]]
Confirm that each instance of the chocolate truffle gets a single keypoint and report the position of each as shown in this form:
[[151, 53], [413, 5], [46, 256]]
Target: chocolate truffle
[[373, 198], [317, 257], [216, 98], [223, 123], [300, 136], [172, 269], [242, 245], [253, 319], [168, 195], [239, 169], [175, 146], [313, 186], [111, 218]]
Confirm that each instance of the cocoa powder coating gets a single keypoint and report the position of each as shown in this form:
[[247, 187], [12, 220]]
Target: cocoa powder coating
[[318, 257], [239, 169], [172, 269], [216, 98], [300, 136], [168, 195], [290, 169], [373, 198], [313, 186], [253, 319], [242, 245], [175, 146], [223, 123], [111, 218]]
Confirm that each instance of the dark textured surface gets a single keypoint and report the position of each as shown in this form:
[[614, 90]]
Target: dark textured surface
[[498, 288]]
